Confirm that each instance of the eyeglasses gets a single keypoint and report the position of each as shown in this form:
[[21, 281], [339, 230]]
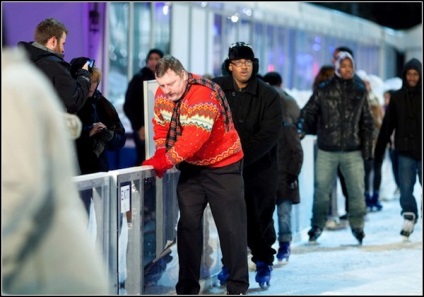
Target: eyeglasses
[[247, 63]]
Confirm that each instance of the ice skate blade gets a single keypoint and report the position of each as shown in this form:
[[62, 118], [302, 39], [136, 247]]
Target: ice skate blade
[[405, 238], [264, 285]]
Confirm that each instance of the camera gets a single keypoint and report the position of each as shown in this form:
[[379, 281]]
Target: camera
[[91, 63]]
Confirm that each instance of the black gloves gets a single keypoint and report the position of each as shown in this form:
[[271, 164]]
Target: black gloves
[[100, 140], [106, 135]]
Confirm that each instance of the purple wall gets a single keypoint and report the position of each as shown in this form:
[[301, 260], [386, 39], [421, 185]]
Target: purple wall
[[21, 18]]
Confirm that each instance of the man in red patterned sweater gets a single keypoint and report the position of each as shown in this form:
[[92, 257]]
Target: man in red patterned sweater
[[193, 129]]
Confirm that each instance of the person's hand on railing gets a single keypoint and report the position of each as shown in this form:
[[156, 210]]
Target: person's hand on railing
[[159, 163]]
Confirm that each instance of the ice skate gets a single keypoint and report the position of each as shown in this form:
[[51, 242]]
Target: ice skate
[[375, 202], [283, 252], [359, 234], [263, 274], [408, 224], [223, 275], [368, 202], [314, 233]]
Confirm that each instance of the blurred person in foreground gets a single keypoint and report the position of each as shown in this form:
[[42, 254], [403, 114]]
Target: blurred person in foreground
[[193, 129], [338, 112], [47, 52], [258, 117], [290, 160], [45, 247], [403, 117], [134, 102]]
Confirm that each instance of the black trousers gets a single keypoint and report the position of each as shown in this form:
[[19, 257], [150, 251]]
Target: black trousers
[[260, 189], [222, 188]]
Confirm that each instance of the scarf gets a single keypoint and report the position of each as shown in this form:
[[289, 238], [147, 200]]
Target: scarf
[[175, 125]]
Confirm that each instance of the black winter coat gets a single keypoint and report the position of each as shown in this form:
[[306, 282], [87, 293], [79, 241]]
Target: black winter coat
[[338, 113], [98, 109], [290, 160], [403, 116], [257, 116], [72, 92], [134, 102]]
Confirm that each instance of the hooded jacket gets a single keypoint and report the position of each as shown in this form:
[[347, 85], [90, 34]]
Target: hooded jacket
[[72, 92], [339, 114], [404, 117]]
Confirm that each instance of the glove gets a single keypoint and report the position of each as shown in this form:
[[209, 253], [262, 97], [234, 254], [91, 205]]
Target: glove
[[106, 135], [158, 161]]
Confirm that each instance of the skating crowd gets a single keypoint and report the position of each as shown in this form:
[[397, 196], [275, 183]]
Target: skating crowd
[[236, 140]]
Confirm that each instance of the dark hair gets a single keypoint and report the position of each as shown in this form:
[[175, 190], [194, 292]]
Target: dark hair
[[154, 51], [47, 29], [344, 49], [273, 78], [324, 73]]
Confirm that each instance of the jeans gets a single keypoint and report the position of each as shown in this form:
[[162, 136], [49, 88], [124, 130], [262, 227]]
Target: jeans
[[284, 221], [352, 167], [408, 169]]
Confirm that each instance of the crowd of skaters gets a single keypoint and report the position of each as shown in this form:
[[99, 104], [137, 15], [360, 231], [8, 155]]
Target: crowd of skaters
[[246, 115]]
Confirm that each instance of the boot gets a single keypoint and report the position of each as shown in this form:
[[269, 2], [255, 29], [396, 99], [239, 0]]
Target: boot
[[223, 275], [368, 202], [314, 233], [359, 234], [376, 202], [263, 274], [408, 224], [283, 251]]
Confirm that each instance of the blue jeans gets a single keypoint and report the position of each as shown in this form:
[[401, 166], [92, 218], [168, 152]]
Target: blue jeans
[[352, 167], [408, 169], [284, 221]]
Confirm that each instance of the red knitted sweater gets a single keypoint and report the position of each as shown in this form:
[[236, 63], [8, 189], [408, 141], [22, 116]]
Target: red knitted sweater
[[203, 140]]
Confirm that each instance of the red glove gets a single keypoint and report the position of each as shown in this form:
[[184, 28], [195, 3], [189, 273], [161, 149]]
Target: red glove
[[158, 161]]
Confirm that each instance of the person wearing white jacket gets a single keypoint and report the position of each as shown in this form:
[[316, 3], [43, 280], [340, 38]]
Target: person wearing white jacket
[[45, 246]]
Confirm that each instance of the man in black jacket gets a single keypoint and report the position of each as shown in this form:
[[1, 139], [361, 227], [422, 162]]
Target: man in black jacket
[[403, 116], [258, 118], [47, 53], [339, 113], [134, 102]]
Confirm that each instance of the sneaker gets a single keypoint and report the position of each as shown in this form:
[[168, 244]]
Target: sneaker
[[359, 234], [408, 224], [223, 275], [283, 251], [314, 233]]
